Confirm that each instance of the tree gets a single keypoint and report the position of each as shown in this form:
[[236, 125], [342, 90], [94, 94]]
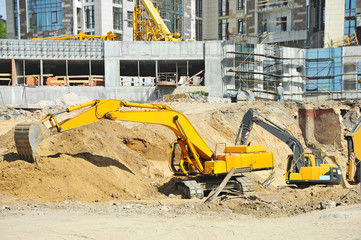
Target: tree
[[2, 30]]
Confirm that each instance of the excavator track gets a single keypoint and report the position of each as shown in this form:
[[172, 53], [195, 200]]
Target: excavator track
[[191, 189], [27, 138], [244, 184]]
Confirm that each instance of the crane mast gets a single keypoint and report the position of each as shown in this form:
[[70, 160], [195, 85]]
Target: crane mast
[[148, 25]]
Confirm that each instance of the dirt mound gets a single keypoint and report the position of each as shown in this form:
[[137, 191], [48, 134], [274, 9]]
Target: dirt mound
[[97, 162]]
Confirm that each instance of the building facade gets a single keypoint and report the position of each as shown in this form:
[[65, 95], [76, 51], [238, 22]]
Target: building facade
[[30, 18], [292, 23]]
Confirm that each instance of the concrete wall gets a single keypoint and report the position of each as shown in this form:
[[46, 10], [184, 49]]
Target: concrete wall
[[111, 64], [127, 31], [103, 17], [28, 96], [162, 50], [213, 70], [210, 20], [334, 20]]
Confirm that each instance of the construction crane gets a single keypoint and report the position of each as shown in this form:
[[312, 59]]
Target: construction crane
[[190, 155], [83, 37], [303, 169], [148, 25]]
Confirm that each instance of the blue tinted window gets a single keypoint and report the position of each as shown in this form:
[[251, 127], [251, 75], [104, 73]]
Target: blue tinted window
[[45, 15], [89, 16]]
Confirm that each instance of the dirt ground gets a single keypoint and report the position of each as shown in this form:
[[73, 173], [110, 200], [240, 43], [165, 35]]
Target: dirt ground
[[114, 177]]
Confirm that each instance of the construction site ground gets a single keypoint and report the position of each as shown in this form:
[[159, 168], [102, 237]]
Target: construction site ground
[[110, 180]]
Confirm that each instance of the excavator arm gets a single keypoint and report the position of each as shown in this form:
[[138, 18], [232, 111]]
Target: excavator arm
[[29, 135], [247, 124]]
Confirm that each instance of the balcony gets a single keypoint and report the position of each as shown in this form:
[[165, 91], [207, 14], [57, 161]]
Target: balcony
[[264, 6]]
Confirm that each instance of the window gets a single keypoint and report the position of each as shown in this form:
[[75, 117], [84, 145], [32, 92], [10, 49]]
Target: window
[[282, 21], [220, 30], [220, 8], [199, 8], [54, 17], [130, 18], [223, 29], [350, 17], [240, 4], [89, 16], [223, 8], [117, 1], [199, 30], [45, 15], [240, 26], [117, 18]]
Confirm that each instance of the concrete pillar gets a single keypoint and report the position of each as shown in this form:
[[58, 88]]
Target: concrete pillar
[[306, 121], [138, 69], [111, 63], [213, 69], [14, 78], [90, 73], [66, 72], [24, 78], [156, 71], [41, 73]]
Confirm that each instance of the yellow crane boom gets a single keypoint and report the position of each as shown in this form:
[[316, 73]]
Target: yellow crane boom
[[82, 37]]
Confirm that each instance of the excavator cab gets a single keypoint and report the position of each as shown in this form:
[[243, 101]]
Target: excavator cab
[[311, 170], [178, 163]]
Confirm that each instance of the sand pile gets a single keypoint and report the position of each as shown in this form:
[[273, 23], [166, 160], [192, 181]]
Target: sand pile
[[97, 162]]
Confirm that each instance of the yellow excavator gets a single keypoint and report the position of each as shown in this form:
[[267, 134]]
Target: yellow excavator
[[303, 169], [354, 154], [190, 156]]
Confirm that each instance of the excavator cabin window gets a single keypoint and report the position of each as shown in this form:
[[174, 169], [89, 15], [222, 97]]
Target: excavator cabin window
[[318, 161], [307, 162]]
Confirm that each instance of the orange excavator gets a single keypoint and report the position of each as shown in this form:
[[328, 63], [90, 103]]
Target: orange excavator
[[190, 156]]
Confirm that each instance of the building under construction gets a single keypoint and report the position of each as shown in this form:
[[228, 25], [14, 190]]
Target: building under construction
[[145, 71]]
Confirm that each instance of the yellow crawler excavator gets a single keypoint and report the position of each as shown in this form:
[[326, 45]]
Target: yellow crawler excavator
[[190, 156], [354, 154], [303, 169]]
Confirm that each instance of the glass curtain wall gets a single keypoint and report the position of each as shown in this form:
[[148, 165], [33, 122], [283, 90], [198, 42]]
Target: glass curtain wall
[[45, 15]]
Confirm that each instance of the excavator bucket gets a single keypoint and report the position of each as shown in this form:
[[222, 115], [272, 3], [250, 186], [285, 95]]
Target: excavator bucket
[[28, 136]]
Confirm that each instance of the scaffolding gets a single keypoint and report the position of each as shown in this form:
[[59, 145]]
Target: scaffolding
[[327, 72]]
